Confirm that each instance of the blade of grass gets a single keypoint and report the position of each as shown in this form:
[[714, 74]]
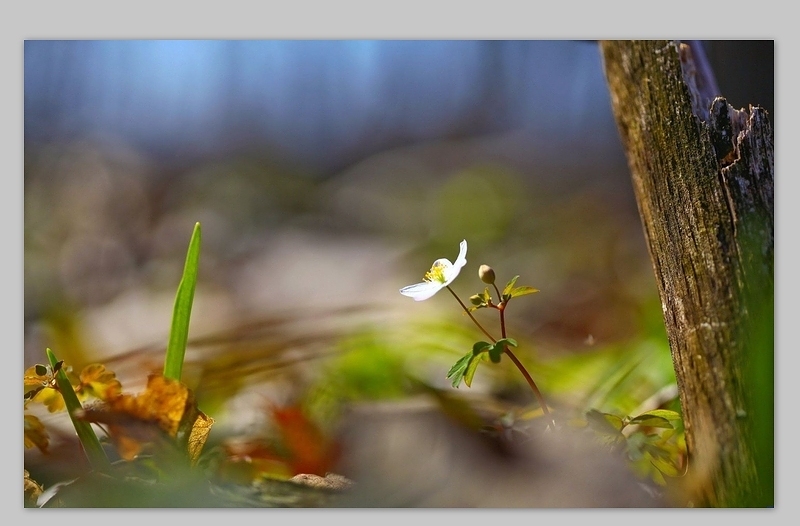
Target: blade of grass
[[179, 331], [91, 445]]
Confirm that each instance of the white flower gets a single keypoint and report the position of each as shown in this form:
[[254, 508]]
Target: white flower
[[441, 274]]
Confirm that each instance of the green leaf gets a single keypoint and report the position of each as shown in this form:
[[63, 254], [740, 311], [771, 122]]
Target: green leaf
[[91, 445], [459, 369], [510, 285], [471, 368], [605, 423], [634, 448], [651, 421], [658, 478], [480, 300], [182, 311], [521, 291], [479, 347], [663, 413], [657, 451], [665, 466], [666, 435], [496, 352]]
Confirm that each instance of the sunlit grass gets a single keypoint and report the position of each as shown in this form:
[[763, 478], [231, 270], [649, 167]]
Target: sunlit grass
[[181, 315]]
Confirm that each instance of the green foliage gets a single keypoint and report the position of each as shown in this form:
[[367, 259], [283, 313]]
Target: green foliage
[[612, 382], [652, 441], [368, 366], [655, 418], [614, 378], [368, 369], [483, 299], [496, 350], [464, 369], [605, 423], [91, 445], [182, 311], [459, 370], [480, 300], [512, 292]]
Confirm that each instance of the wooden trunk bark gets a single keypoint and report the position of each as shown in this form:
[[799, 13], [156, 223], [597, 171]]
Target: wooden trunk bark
[[703, 178]]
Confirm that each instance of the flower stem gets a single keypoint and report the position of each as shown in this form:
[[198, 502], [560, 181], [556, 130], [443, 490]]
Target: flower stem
[[502, 309], [531, 383], [470, 315], [499, 296], [535, 389]]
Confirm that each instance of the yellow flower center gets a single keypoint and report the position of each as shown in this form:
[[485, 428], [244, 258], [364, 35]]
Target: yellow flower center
[[436, 273]]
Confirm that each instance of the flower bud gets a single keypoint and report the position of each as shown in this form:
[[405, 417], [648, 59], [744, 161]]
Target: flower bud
[[476, 299], [486, 273]]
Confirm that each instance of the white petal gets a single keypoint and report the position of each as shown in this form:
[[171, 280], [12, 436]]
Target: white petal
[[451, 271], [421, 291], [461, 260]]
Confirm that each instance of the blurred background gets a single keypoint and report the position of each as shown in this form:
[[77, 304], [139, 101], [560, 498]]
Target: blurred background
[[326, 176]]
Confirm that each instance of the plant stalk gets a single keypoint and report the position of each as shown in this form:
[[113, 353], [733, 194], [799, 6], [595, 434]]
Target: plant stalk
[[470, 315], [91, 445], [522, 369]]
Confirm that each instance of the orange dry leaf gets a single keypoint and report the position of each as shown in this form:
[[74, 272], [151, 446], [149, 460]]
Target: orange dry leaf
[[165, 407], [164, 402], [311, 452], [300, 448], [247, 459]]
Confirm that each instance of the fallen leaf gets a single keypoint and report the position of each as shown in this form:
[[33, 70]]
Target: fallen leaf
[[165, 407], [36, 434], [201, 427], [310, 451], [98, 381]]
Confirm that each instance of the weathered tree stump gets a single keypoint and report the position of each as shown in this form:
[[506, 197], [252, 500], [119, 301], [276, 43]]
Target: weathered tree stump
[[703, 177]]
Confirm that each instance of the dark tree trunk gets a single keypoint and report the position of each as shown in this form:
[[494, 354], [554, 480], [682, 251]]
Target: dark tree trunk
[[703, 177]]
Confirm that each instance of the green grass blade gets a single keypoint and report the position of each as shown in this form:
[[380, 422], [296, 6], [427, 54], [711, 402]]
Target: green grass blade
[[91, 445], [179, 331]]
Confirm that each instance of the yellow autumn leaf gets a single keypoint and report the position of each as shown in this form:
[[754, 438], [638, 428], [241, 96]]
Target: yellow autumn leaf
[[199, 434], [163, 408], [36, 434], [99, 382], [50, 398]]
